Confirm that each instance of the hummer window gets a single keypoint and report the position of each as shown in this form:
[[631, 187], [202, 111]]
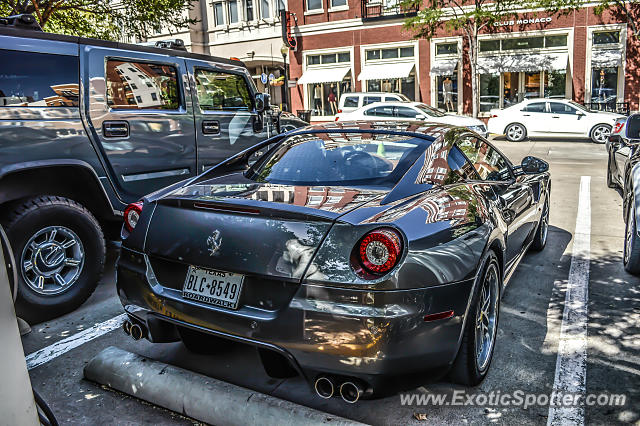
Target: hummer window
[[38, 80], [141, 85], [218, 91]]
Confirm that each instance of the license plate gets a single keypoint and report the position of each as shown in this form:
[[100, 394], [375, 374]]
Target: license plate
[[216, 288]]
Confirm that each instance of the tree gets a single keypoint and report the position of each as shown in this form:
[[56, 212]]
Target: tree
[[469, 17], [106, 19], [629, 9]]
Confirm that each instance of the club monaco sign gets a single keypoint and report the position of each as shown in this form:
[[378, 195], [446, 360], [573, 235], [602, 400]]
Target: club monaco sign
[[523, 22]]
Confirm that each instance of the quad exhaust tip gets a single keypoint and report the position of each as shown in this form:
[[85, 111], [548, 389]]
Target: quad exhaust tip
[[351, 392], [136, 332], [126, 327], [325, 387]]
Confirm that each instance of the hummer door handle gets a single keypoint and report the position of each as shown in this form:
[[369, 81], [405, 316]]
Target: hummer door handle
[[115, 129], [211, 127]]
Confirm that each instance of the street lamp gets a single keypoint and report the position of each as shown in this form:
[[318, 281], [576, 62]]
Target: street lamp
[[285, 87]]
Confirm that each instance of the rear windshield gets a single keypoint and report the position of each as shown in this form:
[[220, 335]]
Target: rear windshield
[[340, 159]]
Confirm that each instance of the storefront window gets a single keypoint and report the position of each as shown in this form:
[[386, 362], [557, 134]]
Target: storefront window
[[406, 86], [523, 43], [555, 40], [330, 58], [606, 37], [511, 88], [391, 53], [446, 49], [489, 45], [447, 92], [489, 91], [604, 85], [324, 97], [555, 84], [531, 85]]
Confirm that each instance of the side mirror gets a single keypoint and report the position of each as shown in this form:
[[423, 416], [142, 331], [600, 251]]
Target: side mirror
[[421, 117], [533, 165], [262, 102]]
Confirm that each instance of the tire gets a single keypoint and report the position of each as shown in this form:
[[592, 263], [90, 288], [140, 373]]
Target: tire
[[467, 369], [631, 256], [60, 252], [516, 132], [540, 238], [610, 182], [600, 133], [201, 343]]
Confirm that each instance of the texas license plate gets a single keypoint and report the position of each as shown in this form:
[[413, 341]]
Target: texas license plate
[[216, 288]]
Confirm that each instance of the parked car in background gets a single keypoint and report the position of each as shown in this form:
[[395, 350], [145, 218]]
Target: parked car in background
[[352, 101], [555, 118], [397, 237], [403, 111], [89, 126], [623, 172]]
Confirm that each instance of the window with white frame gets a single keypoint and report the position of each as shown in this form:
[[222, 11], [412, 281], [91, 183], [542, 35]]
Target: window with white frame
[[248, 10], [218, 13], [382, 55], [233, 11], [314, 5], [324, 97], [606, 68], [338, 3], [265, 9]]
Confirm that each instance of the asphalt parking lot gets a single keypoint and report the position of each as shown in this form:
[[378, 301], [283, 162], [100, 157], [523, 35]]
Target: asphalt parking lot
[[531, 324]]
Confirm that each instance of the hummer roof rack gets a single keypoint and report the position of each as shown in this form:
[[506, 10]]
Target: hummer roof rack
[[22, 22], [175, 44]]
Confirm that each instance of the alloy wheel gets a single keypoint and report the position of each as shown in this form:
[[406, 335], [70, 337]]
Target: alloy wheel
[[515, 132], [487, 317], [544, 223], [601, 133], [52, 260], [628, 238]]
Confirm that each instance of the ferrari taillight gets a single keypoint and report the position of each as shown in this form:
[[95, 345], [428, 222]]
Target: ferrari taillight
[[132, 215], [379, 250]]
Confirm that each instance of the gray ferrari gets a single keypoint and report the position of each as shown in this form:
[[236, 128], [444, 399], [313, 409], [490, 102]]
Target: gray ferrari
[[365, 257]]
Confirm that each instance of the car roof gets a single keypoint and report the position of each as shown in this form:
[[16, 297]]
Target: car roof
[[40, 35], [421, 129], [394, 103], [370, 93]]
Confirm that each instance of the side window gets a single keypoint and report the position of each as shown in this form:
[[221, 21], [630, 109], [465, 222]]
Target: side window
[[444, 165], [38, 79], [351, 102], [371, 99], [142, 85], [406, 112], [380, 111], [558, 108], [219, 91], [535, 107], [391, 98], [487, 161]]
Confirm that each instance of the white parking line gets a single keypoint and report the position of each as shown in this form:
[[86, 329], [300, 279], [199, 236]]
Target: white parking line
[[45, 355], [571, 364]]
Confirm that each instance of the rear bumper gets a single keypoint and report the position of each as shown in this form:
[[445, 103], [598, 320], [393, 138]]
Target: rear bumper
[[370, 335]]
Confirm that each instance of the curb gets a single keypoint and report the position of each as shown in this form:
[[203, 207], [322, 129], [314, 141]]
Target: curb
[[200, 397]]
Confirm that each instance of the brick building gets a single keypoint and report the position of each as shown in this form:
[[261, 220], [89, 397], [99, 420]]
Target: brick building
[[361, 45]]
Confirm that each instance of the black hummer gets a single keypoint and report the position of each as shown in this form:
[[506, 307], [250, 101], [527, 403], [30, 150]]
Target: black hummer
[[88, 126]]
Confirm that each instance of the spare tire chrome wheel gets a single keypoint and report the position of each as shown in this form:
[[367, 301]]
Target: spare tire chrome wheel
[[516, 132], [600, 133]]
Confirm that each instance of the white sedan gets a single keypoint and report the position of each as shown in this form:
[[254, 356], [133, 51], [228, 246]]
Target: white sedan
[[551, 118], [403, 111]]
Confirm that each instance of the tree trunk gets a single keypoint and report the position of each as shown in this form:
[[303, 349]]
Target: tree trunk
[[473, 56]]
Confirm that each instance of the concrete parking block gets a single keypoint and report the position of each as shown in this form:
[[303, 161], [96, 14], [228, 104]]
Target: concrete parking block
[[200, 397]]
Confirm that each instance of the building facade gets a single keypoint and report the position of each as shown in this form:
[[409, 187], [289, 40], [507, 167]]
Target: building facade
[[361, 45], [249, 30]]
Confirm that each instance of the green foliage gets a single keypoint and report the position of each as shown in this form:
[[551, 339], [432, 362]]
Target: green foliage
[[105, 19]]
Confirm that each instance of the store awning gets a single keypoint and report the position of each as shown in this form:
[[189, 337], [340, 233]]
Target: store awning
[[381, 72], [444, 67], [524, 63], [606, 58], [324, 75]]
